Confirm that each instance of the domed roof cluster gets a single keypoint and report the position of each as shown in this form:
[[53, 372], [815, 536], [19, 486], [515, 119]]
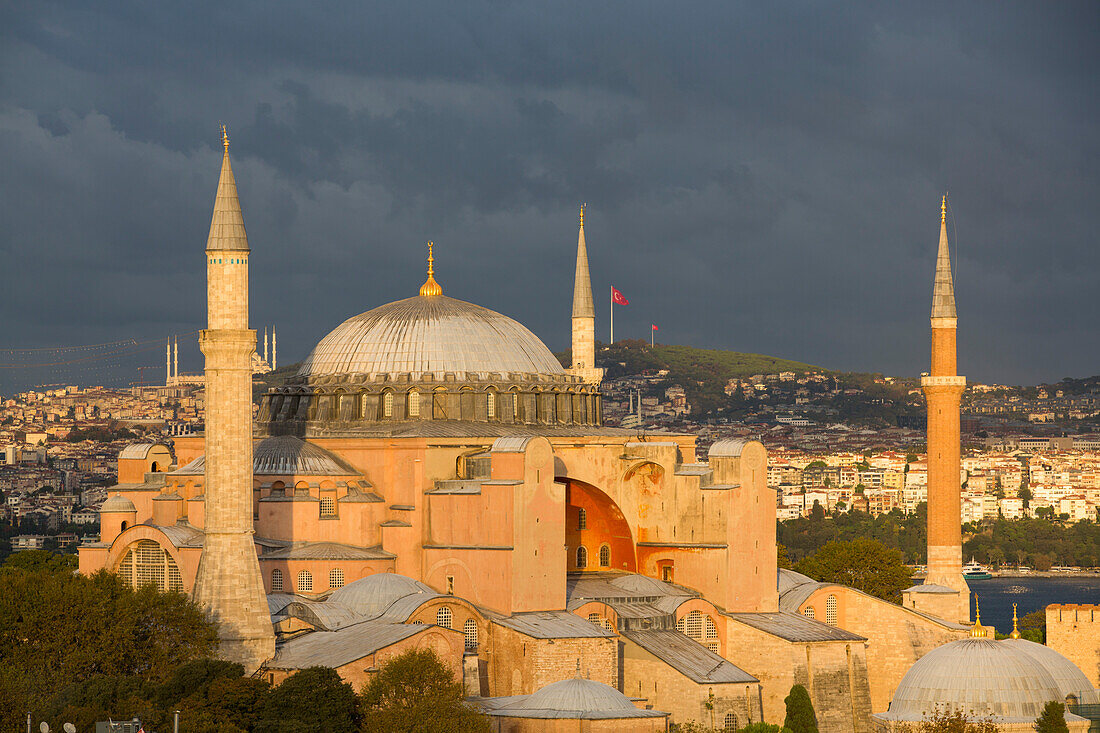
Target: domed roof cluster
[[430, 335], [1010, 680]]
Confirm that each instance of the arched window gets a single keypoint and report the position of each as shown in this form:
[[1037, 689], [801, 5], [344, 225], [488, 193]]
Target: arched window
[[694, 625], [582, 519], [582, 557], [336, 578], [469, 630], [414, 403], [605, 556], [515, 406], [387, 404], [711, 630], [305, 582], [491, 405], [595, 618], [607, 625], [681, 625], [830, 610], [147, 563], [444, 617], [808, 611], [729, 723], [276, 581]]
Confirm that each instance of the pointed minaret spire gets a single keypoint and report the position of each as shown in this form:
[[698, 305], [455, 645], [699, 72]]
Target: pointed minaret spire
[[582, 282], [943, 292], [227, 224]]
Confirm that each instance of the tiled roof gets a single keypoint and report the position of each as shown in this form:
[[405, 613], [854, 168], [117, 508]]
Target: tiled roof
[[794, 627], [688, 657], [328, 551], [553, 625], [337, 648]]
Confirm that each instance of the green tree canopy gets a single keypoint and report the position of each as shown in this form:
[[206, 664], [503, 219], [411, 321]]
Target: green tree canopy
[[415, 692], [800, 711], [1052, 719], [864, 564], [317, 699]]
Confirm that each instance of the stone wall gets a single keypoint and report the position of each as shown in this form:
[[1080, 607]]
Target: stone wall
[[1074, 632], [520, 664]]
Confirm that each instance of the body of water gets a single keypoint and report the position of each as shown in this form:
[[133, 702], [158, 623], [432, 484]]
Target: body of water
[[997, 595]]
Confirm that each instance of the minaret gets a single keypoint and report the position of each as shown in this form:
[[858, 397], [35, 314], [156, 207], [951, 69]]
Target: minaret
[[176, 358], [584, 317], [946, 593], [228, 583], [168, 363]]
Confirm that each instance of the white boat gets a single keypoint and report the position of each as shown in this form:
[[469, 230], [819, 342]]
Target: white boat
[[973, 570]]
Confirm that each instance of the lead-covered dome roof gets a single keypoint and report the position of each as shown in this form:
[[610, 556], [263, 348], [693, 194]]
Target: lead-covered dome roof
[[430, 335]]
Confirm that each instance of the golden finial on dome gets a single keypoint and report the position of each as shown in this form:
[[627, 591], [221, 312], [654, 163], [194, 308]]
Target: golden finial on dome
[[582, 215], [1015, 629], [943, 209], [430, 286], [977, 632], [225, 139]]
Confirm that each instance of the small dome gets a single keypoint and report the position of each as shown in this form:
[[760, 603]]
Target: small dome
[[1071, 680], [430, 335], [117, 504], [979, 676], [575, 698], [287, 455], [372, 595]]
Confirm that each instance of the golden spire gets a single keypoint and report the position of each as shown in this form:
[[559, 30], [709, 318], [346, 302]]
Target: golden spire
[[430, 286], [225, 139], [977, 632], [582, 215], [1015, 629], [943, 209]]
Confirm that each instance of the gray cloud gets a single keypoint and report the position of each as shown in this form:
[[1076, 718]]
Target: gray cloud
[[762, 177]]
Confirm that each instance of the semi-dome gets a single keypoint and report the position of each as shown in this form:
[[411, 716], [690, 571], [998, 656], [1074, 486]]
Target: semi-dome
[[117, 504], [430, 335], [575, 698], [977, 676], [373, 595]]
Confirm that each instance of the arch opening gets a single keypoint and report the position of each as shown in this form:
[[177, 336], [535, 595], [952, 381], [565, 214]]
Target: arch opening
[[593, 520]]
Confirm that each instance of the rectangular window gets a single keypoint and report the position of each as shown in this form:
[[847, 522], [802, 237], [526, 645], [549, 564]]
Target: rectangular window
[[491, 405], [450, 585], [328, 506], [414, 404]]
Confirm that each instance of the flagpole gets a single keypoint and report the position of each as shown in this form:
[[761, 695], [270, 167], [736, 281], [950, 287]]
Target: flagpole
[[612, 315]]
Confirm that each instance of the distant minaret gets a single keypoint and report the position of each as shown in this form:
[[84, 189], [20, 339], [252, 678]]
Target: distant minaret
[[584, 317], [176, 358], [228, 583], [274, 349], [943, 390], [168, 363]]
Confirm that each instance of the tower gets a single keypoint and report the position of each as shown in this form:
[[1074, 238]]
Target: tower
[[584, 317], [945, 592], [228, 582]]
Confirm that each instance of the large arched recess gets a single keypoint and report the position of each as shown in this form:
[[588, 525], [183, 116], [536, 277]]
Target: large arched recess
[[603, 524]]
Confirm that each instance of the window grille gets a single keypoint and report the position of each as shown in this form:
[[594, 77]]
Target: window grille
[[175, 582], [414, 403], [695, 625], [444, 617], [808, 611], [146, 562], [276, 581], [469, 629], [305, 582], [595, 618], [607, 625], [387, 404], [830, 611], [680, 626], [605, 556], [336, 578], [328, 506], [712, 630], [582, 557], [515, 405], [582, 519], [729, 723], [491, 405], [126, 568]]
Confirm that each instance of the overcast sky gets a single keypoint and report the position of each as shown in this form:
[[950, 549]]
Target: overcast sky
[[763, 177]]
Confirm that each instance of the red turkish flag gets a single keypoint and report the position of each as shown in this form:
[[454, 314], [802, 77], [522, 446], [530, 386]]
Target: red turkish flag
[[618, 298], [654, 326]]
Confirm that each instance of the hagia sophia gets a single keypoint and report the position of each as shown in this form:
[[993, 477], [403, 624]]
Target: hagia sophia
[[432, 477]]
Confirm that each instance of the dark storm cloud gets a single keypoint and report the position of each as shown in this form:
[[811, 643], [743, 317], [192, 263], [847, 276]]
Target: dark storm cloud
[[762, 177]]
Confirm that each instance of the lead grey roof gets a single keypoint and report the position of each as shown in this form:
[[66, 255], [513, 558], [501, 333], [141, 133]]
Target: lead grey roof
[[553, 625], [977, 676], [375, 594], [337, 648], [1071, 680], [580, 588], [327, 551], [574, 699], [689, 657], [139, 450], [284, 455], [727, 448], [511, 444], [227, 222], [430, 335], [117, 503], [582, 282], [794, 627], [943, 291]]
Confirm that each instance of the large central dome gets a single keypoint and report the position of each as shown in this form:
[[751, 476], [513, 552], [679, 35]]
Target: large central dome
[[430, 335]]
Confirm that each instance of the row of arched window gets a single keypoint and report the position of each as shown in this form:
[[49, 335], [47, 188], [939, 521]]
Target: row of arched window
[[830, 611], [444, 618], [605, 556], [305, 581], [701, 628]]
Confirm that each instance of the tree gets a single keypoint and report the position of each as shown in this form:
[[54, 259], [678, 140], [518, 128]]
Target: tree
[[41, 560], [782, 559], [416, 692], [314, 698], [763, 728], [800, 711], [864, 564], [954, 722], [1033, 626], [1052, 719]]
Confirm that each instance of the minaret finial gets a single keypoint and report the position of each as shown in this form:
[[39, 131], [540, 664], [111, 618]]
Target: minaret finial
[[943, 209], [430, 286], [1015, 629], [225, 139], [977, 632], [582, 215]]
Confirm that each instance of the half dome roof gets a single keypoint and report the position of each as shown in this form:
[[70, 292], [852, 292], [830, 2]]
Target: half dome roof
[[430, 335]]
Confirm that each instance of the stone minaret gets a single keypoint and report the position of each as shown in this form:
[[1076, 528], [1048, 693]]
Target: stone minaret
[[584, 318], [228, 583], [944, 592]]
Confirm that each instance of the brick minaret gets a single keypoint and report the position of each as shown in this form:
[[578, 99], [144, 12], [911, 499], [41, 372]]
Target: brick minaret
[[584, 318], [228, 583], [945, 592]]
